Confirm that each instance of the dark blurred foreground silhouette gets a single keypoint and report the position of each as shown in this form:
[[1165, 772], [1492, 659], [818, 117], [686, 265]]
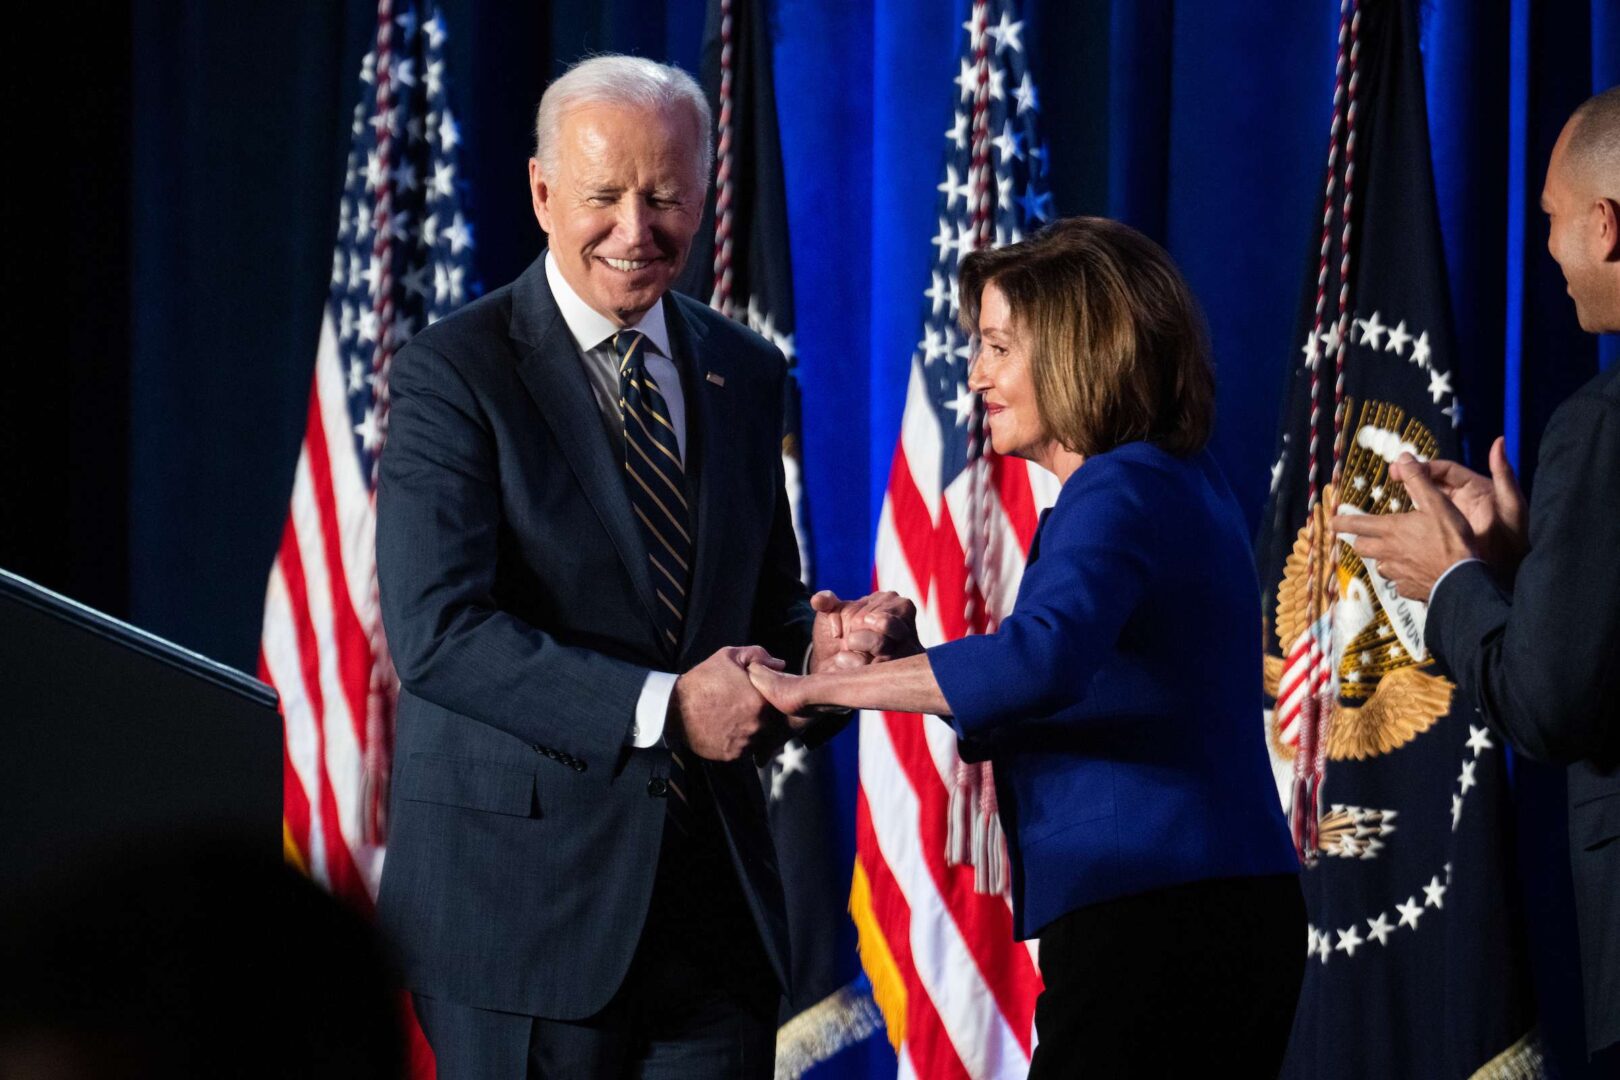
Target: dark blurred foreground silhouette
[[192, 959]]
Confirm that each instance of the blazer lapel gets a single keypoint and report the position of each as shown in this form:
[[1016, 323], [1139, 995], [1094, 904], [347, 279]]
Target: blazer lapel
[[549, 366], [709, 444]]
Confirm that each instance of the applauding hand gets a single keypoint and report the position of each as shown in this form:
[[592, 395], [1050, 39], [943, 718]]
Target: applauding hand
[[1493, 505], [1412, 550]]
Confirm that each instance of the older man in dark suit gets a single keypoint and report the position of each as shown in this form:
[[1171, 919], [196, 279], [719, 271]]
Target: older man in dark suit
[[581, 515], [1528, 622]]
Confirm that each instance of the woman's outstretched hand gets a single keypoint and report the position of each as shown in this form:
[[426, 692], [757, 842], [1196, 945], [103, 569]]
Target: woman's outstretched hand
[[788, 694], [904, 685]]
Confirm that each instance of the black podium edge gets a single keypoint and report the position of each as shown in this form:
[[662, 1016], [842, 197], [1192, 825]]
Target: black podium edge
[[133, 637]]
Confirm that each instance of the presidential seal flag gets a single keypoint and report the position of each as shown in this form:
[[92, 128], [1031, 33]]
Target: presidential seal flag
[[740, 264], [740, 259], [402, 260], [1396, 791], [930, 894]]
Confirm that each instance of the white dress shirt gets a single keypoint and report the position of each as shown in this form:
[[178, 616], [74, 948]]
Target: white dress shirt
[[593, 334]]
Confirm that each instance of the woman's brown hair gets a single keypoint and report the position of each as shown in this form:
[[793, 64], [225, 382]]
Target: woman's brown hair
[[1118, 348]]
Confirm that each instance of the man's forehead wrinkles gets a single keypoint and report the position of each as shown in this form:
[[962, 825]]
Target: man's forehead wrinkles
[[602, 186]]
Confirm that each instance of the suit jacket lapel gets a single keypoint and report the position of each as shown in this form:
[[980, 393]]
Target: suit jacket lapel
[[548, 364], [709, 444]]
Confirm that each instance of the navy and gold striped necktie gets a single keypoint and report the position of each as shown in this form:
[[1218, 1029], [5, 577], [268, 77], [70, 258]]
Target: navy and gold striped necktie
[[656, 481]]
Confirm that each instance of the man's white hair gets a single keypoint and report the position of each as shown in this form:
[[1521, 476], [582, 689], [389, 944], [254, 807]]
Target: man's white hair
[[628, 81]]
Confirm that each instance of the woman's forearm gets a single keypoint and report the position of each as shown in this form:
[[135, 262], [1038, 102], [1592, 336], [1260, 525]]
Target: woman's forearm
[[906, 685]]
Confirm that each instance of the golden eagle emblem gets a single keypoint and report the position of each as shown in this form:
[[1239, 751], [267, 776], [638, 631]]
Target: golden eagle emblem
[[1387, 692]]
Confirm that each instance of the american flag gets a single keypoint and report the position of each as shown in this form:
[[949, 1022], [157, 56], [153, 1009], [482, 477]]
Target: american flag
[[402, 260], [930, 905]]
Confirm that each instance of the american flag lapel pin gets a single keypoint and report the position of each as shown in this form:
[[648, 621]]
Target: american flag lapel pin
[[718, 380]]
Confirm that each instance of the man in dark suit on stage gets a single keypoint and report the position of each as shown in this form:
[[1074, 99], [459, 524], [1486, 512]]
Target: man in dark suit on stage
[[1528, 623], [581, 514]]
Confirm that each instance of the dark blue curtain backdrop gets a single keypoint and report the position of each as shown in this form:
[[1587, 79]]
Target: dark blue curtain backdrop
[[198, 156]]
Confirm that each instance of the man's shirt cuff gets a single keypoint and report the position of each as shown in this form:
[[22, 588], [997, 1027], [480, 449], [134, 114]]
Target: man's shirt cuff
[[651, 709], [1449, 569]]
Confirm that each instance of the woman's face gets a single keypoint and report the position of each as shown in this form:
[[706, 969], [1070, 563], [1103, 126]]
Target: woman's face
[[1001, 375]]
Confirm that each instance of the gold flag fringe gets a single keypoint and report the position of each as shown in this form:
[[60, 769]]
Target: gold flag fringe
[[888, 986]]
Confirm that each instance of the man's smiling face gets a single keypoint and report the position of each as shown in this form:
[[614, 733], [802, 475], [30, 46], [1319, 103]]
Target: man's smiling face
[[624, 203]]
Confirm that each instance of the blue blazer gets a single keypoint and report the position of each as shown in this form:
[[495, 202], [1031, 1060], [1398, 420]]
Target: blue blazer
[[1120, 701]]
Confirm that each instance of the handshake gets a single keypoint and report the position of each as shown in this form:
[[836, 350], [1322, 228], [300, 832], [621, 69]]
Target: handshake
[[737, 701]]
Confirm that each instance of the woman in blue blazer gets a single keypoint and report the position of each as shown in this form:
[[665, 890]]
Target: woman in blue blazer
[[1119, 702]]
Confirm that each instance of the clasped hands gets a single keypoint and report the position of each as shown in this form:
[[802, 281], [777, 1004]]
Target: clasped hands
[[721, 712], [1458, 515]]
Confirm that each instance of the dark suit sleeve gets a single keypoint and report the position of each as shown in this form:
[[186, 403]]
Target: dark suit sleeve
[[1096, 553], [438, 519], [1543, 665]]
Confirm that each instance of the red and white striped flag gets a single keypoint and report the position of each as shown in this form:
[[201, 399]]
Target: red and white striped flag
[[930, 897], [401, 261]]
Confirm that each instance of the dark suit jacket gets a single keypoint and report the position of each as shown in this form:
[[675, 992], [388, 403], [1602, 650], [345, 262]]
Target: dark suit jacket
[[1118, 701], [515, 594], [1541, 661]]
